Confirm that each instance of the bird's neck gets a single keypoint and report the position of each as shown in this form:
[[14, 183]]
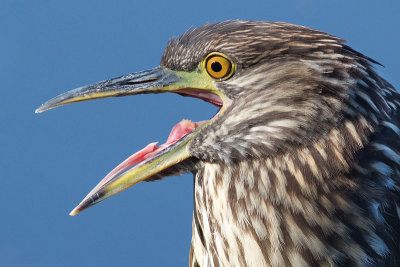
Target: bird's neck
[[282, 210]]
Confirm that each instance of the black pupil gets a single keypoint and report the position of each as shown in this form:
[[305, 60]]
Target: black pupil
[[216, 66]]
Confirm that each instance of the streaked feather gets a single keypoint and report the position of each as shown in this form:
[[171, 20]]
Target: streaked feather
[[303, 167]]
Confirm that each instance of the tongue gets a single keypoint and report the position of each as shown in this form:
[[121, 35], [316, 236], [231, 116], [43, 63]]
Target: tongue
[[179, 131]]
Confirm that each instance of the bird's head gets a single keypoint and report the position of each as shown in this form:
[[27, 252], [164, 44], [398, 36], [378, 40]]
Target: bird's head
[[278, 86]]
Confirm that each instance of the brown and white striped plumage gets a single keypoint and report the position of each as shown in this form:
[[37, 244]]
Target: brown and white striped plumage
[[302, 169]]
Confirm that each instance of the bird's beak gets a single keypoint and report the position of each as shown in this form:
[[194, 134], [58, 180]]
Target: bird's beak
[[152, 159], [157, 80]]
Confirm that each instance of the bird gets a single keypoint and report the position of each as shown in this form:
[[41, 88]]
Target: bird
[[300, 166]]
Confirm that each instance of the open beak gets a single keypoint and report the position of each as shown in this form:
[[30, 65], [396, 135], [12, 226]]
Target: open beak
[[152, 159]]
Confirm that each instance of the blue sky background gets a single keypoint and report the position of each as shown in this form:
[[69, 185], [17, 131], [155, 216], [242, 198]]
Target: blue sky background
[[49, 162]]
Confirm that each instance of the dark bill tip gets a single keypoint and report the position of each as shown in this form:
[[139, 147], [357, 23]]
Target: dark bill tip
[[89, 201]]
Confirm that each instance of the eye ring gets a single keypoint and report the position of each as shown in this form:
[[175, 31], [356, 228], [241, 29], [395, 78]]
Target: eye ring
[[219, 66]]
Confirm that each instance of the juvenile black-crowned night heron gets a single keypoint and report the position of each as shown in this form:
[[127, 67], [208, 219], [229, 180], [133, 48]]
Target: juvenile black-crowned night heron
[[300, 166]]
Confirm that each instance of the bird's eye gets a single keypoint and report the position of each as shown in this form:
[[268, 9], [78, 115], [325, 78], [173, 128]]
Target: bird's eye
[[218, 66]]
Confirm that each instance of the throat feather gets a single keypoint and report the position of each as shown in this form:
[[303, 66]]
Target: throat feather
[[284, 209]]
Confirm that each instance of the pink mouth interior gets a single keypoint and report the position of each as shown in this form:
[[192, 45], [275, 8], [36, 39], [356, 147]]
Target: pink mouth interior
[[178, 132], [202, 94]]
